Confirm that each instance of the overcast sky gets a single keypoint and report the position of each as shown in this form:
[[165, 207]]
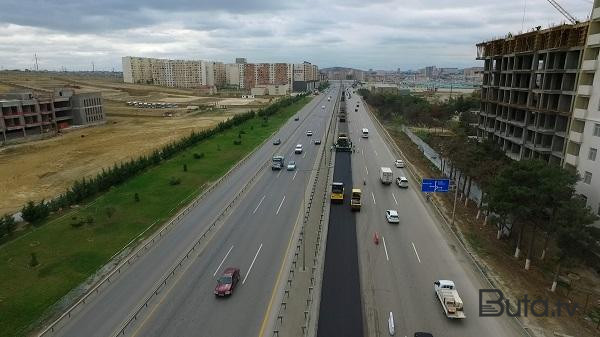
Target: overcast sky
[[378, 34]]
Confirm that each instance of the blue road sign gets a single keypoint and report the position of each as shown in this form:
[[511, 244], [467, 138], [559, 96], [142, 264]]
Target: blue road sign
[[435, 185]]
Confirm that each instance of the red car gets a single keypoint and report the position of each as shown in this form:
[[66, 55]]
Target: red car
[[227, 282]]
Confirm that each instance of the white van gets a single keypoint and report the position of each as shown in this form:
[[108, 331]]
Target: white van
[[298, 149], [365, 133]]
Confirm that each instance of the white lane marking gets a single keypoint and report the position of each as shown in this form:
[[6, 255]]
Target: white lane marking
[[304, 155], [375, 152], [367, 170], [396, 201], [252, 264], [281, 203], [257, 206], [415, 249], [373, 195], [385, 248], [226, 255], [279, 172], [294, 177]]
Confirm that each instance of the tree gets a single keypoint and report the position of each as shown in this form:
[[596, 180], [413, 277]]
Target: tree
[[9, 223], [515, 193], [575, 238], [34, 261], [136, 196]]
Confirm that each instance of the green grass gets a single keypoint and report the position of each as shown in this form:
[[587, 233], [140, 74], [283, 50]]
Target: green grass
[[68, 255]]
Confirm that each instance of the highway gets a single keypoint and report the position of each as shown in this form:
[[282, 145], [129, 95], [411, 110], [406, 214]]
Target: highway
[[397, 275], [254, 237]]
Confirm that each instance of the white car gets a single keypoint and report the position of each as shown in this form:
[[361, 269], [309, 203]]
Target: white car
[[323, 107], [309, 133], [298, 149], [392, 216], [399, 163], [402, 182], [291, 166]]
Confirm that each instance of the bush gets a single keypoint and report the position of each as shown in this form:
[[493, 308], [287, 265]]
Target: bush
[[34, 261], [198, 155], [9, 223], [77, 223], [110, 211], [136, 197], [89, 220], [174, 181], [237, 142], [184, 167]]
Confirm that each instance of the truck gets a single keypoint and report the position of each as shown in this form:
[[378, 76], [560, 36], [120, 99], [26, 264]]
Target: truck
[[386, 175], [277, 162], [355, 203], [343, 143], [337, 192], [448, 295]]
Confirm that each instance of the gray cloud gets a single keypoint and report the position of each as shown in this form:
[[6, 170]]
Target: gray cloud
[[367, 34]]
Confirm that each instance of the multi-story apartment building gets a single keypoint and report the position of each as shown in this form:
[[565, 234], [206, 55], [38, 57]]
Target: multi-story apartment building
[[529, 86], [193, 74], [29, 115], [584, 133]]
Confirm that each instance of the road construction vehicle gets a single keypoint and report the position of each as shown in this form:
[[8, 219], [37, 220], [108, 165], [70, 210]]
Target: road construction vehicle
[[337, 192], [277, 162], [343, 143], [448, 295], [355, 202]]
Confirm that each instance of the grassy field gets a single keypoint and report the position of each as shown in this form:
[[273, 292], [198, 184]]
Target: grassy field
[[68, 255]]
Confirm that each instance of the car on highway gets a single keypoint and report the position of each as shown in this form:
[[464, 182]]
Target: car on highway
[[298, 149], [392, 216], [296, 118], [227, 282], [277, 142], [291, 165], [309, 133], [402, 182], [323, 107], [399, 163], [423, 334], [318, 142]]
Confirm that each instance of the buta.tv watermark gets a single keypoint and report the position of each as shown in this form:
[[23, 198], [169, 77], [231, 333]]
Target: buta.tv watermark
[[492, 303]]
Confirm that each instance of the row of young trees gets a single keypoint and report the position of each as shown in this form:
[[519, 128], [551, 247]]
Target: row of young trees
[[528, 196], [85, 188]]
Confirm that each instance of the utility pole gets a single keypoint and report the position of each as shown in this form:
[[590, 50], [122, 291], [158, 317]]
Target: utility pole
[[93, 67], [36, 62]]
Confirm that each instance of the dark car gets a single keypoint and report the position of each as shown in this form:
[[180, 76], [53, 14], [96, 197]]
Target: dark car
[[318, 142], [296, 118], [423, 334], [277, 142], [227, 282]]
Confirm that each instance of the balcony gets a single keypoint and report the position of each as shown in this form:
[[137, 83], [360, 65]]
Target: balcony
[[585, 90], [593, 39], [571, 159], [579, 113], [588, 65], [576, 137]]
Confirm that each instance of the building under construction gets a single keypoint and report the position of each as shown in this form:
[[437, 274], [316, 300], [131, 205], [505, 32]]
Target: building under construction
[[529, 88]]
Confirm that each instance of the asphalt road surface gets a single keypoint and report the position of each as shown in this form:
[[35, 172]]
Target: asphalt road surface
[[340, 312], [254, 238], [397, 275]]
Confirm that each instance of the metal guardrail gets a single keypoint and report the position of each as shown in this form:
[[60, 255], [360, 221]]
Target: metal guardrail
[[481, 268], [131, 258], [290, 277], [168, 276]]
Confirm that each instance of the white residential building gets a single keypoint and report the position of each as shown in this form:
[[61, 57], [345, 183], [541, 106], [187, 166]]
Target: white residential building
[[583, 147]]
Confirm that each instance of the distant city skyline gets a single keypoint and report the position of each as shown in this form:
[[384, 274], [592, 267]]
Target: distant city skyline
[[382, 34]]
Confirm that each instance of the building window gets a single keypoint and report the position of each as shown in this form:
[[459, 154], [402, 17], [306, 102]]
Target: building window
[[587, 177], [592, 154], [597, 130]]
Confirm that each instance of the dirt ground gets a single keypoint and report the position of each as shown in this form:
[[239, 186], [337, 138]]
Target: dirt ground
[[42, 169], [507, 271]]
